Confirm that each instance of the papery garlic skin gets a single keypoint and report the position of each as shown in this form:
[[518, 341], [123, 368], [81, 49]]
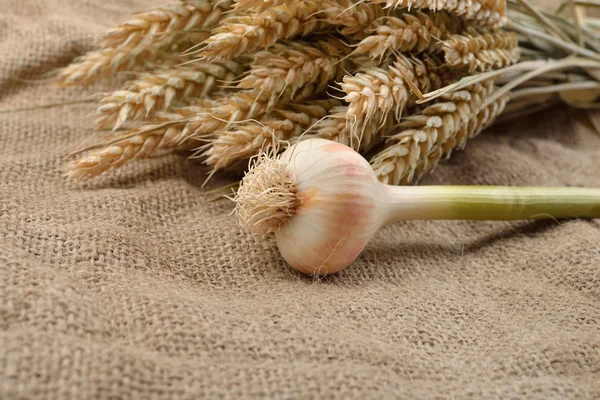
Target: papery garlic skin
[[337, 207]]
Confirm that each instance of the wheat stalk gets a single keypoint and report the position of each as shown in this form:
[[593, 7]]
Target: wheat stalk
[[488, 13], [286, 68], [439, 128], [482, 52], [249, 139], [157, 90], [409, 33]]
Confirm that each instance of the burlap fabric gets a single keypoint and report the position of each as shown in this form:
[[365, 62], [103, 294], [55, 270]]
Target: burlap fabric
[[131, 286]]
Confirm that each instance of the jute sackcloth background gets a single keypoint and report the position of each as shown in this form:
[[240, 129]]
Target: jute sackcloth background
[[132, 286]]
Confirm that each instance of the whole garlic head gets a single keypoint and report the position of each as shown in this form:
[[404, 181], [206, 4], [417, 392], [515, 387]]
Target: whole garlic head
[[320, 198]]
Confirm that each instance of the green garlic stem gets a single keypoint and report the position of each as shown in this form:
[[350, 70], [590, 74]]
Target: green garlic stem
[[491, 203]]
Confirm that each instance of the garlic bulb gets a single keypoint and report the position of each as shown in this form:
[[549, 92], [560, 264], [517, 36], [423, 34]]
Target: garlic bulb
[[324, 204]]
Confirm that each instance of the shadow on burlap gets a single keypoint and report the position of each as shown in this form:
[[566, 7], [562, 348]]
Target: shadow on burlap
[[131, 286]]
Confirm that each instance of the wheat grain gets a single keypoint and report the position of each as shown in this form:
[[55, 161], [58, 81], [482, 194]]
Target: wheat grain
[[488, 13], [248, 139], [427, 136], [286, 68], [409, 33], [372, 95], [334, 127], [157, 90], [481, 52], [378, 94], [239, 125]]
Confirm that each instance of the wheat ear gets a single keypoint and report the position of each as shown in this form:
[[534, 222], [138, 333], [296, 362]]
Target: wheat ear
[[119, 153], [248, 33], [287, 68], [350, 17], [487, 13], [158, 26], [409, 33], [106, 62], [335, 127], [141, 39], [248, 139], [482, 52], [427, 136], [157, 90], [259, 30], [101, 63], [165, 133], [378, 94], [256, 5], [229, 110]]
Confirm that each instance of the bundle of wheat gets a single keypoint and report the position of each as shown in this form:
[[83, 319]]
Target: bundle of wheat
[[406, 81]]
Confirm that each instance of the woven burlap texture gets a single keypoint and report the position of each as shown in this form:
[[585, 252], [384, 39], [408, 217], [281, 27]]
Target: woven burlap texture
[[132, 286]]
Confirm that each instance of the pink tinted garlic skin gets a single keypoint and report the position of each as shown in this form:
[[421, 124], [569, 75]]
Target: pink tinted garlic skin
[[337, 211]]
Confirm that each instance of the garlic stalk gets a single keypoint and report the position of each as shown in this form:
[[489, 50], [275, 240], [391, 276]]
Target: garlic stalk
[[324, 204]]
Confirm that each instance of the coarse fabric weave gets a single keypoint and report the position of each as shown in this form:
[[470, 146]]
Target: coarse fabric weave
[[133, 286]]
